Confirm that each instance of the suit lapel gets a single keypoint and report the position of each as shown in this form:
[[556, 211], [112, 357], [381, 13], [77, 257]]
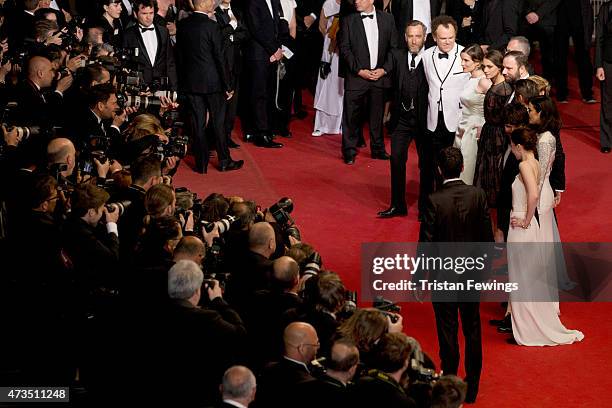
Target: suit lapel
[[361, 33], [160, 44], [142, 47]]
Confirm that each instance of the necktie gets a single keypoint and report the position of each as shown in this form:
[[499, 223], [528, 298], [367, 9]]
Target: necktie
[[443, 55], [145, 29], [413, 61], [367, 16]]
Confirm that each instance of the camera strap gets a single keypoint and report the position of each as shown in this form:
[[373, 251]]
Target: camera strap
[[376, 375]]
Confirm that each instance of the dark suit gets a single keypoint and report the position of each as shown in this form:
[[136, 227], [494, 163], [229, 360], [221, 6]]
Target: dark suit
[[458, 213], [403, 12], [279, 383], [377, 389], [499, 22], [19, 26], [85, 129], [358, 92], [542, 31], [204, 81], [164, 65], [469, 34], [264, 42], [323, 392], [408, 122]]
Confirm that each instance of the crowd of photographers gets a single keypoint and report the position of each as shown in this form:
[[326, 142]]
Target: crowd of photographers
[[127, 288]]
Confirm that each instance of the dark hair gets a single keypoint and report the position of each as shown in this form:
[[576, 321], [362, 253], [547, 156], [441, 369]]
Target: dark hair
[[515, 114], [549, 115], [330, 292], [86, 197], [475, 52], [30, 4], [343, 361], [138, 4], [93, 72], [42, 28], [445, 21], [157, 199], [391, 352], [365, 327], [448, 392], [300, 252], [525, 88], [519, 57], [450, 162], [525, 137], [145, 167], [245, 211], [99, 93], [158, 232], [214, 207], [42, 189], [496, 57]]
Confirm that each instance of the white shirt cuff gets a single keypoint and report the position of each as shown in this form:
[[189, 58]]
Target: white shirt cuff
[[116, 127], [111, 227], [313, 15], [59, 92]]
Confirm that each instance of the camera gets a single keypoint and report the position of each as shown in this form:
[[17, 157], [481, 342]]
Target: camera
[[223, 224], [312, 264], [94, 147], [387, 307], [418, 373], [7, 119], [120, 206], [280, 212]]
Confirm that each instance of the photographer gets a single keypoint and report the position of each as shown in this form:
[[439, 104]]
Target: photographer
[[91, 240], [21, 23], [382, 386], [156, 57], [86, 78], [190, 248]]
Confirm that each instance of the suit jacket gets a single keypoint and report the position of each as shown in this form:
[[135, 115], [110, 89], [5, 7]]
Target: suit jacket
[[466, 35], [36, 107], [83, 128], [499, 22], [371, 391], [233, 41], [279, 383], [403, 12], [201, 56], [323, 392], [457, 212], [19, 26], [264, 28], [446, 86], [164, 65], [353, 46], [109, 35], [401, 70], [545, 9]]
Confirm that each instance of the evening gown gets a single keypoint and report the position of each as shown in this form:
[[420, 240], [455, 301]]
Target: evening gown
[[493, 143], [534, 323], [472, 118]]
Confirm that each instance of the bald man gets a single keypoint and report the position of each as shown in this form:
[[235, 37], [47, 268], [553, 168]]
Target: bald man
[[35, 106], [61, 151], [280, 382], [190, 248], [238, 387]]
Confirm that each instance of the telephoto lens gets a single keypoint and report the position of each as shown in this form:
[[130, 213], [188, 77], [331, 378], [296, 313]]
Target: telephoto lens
[[120, 206]]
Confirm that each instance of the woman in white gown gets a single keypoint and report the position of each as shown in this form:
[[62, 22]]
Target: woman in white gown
[[472, 110], [534, 323], [330, 90]]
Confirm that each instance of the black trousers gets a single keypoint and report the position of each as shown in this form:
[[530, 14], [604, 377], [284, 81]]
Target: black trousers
[[432, 143], [261, 94], [545, 35], [569, 23], [447, 324], [231, 110], [215, 105], [355, 103], [605, 129], [402, 136]]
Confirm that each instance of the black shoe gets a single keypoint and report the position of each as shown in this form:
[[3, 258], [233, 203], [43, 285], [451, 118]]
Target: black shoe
[[605, 150], [512, 341], [231, 165], [231, 144], [501, 322], [349, 160], [392, 212], [470, 398], [300, 114], [381, 156], [266, 141], [286, 134], [589, 101]]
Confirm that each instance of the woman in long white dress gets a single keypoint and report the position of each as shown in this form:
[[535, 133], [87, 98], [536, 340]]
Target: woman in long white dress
[[534, 323], [330, 90], [472, 110]]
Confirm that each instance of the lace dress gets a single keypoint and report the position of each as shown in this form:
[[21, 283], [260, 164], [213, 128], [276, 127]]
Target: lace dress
[[493, 142]]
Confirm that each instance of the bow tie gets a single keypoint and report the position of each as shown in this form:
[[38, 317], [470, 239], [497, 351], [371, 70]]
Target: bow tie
[[145, 29], [368, 16], [443, 55]]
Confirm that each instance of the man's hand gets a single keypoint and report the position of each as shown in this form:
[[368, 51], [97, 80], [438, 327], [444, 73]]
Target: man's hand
[[308, 20], [398, 326], [229, 95], [277, 56], [365, 74], [171, 28], [466, 22], [54, 39], [189, 223], [532, 18], [557, 199], [377, 74], [166, 105], [64, 83], [170, 163], [208, 236], [115, 166], [293, 241], [75, 63], [102, 168], [11, 137], [119, 118], [600, 74], [111, 216], [215, 292]]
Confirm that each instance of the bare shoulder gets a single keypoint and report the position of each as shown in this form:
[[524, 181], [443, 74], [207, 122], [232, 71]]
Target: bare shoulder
[[483, 85]]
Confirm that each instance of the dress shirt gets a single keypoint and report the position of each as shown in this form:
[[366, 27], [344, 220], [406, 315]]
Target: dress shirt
[[417, 59], [370, 26], [54, 5], [149, 38], [233, 403], [297, 362], [233, 21], [269, 3], [450, 180], [444, 65], [421, 10]]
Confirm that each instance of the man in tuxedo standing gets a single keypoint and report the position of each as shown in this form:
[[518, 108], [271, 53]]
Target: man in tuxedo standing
[[446, 79], [155, 57], [366, 39], [409, 115], [262, 53], [457, 212], [405, 11], [205, 83]]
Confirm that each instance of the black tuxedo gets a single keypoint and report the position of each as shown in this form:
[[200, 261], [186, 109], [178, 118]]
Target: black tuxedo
[[408, 122], [164, 65], [37, 107], [84, 130], [204, 81], [279, 383], [359, 93], [499, 22], [265, 40], [458, 213], [403, 12]]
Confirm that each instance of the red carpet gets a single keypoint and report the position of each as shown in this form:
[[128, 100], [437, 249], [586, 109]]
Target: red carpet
[[336, 205]]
